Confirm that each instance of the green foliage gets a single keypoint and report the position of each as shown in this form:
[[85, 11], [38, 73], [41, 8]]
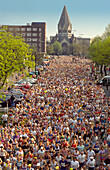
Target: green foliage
[[50, 49], [100, 51], [76, 49], [14, 54], [57, 48], [107, 32], [37, 55]]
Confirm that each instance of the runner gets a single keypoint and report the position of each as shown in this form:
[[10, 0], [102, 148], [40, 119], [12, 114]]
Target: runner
[[63, 115]]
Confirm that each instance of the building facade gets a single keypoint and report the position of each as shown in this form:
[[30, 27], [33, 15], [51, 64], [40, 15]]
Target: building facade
[[34, 34], [65, 34]]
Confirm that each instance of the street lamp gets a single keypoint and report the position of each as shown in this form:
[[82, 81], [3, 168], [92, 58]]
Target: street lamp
[[38, 52], [81, 43], [74, 31], [73, 41]]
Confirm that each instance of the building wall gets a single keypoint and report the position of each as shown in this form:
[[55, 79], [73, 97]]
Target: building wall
[[33, 35], [79, 40]]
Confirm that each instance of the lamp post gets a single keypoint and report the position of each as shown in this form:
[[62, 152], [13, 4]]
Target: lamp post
[[38, 52], [35, 63], [81, 43], [73, 42], [74, 31]]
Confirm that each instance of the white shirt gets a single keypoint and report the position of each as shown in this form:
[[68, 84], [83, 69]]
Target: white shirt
[[41, 152], [91, 163], [4, 117], [81, 158], [20, 153], [74, 164], [2, 153], [108, 138], [90, 153]]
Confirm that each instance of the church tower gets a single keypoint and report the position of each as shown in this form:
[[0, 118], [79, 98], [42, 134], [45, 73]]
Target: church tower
[[64, 25], [65, 36]]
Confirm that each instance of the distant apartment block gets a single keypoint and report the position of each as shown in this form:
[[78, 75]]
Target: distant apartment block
[[34, 34]]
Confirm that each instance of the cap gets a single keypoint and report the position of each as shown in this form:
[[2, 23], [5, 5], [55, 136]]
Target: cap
[[41, 147], [91, 157], [104, 142], [29, 165], [38, 164]]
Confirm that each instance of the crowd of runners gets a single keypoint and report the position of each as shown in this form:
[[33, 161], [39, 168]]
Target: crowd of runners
[[62, 123]]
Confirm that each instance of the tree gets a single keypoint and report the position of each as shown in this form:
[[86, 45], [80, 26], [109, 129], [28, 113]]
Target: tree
[[14, 54], [107, 32], [99, 51], [84, 48], [50, 49], [57, 48], [76, 49], [38, 55]]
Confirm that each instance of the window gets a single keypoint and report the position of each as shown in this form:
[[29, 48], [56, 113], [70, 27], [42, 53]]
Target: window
[[18, 34], [28, 39], [34, 29], [40, 34], [29, 34], [34, 39], [105, 80], [11, 29], [34, 44], [17, 29], [28, 43], [39, 29], [28, 29], [23, 34], [22, 29], [40, 39], [34, 34]]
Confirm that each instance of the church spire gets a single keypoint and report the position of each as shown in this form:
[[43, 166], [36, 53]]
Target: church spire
[[64, 24]]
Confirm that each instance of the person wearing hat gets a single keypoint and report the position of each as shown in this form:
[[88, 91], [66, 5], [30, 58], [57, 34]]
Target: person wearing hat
[[29, 167], [57, 167], [91, 163], [7, 165], [38, 166], [90, 152], [41, 151], [34, 162]]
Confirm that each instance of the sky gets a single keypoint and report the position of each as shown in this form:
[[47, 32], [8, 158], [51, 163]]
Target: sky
[[88, 17]]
